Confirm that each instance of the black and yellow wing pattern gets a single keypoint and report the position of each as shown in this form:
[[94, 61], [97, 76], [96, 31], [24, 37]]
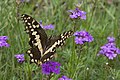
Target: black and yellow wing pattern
[[42, 48]]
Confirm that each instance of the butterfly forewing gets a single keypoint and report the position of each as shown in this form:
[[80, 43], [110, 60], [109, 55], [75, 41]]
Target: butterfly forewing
[[37, 35]]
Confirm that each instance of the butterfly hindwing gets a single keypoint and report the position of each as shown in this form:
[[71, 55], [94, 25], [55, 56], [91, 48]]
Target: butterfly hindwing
[[53, 43]]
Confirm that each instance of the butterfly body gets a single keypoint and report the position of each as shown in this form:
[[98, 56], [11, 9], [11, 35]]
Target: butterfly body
[[42, 48]]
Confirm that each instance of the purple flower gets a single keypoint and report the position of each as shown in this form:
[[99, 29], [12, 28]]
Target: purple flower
[[22, 0], [3, 37], [79, 40], [111, 39], [82, 37], [20, 58], [117, 50], [64, 78], [47, 27], [3, 41], [77, 14], [109, 50], [51, 67], [73, 15], [25, 0]]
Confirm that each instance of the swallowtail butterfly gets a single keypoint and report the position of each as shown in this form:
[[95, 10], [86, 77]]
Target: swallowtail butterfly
[[42, 48]]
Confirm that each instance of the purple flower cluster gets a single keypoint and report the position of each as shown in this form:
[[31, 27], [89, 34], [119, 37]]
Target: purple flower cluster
[[109, 50], [64, 78], [3, 41], [47, 27], [20, 58], [51, 67], [77, 14], [82, 37]]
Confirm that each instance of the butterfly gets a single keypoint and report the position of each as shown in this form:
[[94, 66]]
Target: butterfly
[[42, 48]]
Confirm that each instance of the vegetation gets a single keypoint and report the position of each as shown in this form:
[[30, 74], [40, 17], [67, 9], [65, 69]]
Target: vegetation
[[78, 62]]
